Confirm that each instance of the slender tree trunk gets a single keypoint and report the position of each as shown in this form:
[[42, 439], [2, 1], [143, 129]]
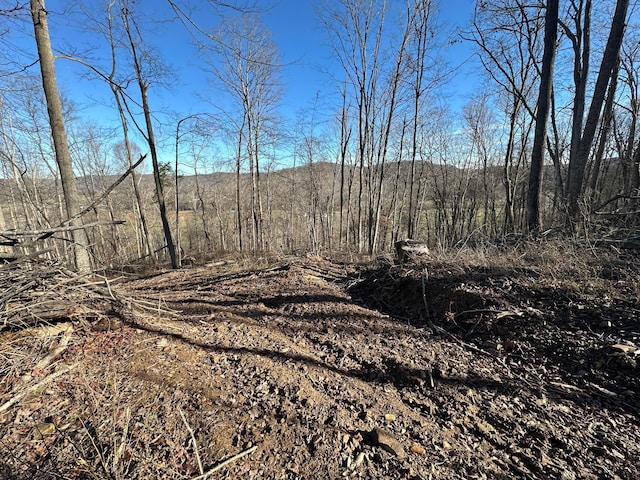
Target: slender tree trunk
[[534, 220], [604, 133], [554, 152], [422, 34], [166, 227], [507, 169], [396, 184], [238, 180], [293, 195], [395, 86], [58, 133], [609, 59], [345, 135], [581, 41], [145, 239], [203, 208], [258, 213]]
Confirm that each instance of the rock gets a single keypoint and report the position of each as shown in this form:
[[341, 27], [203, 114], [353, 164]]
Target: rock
[[384, 439], [415, 448], [389, 417]]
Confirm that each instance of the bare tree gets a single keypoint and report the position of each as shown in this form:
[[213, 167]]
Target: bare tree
[[630, 65], [58, 132], [507, 33], [345, 137], [127, 150], [135, 39], [250, 73], [534, 220], [580, 38], [356, 28], [417, 65], [607, 66]]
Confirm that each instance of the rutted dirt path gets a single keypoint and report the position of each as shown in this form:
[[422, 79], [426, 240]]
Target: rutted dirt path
[[452, 375]]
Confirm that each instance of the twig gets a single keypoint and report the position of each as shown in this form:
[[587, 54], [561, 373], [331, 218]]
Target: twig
[[17, 397], [24, 258], [119, 452], [226, 462], [108, 285], [425, 277], [56, 352], [47, 232], [193, 440], [504, 313]]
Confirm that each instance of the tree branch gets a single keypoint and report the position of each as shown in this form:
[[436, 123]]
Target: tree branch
[[106, 192]]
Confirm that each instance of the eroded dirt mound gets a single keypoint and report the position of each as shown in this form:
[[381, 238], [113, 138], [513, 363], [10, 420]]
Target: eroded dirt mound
[[312, 369]]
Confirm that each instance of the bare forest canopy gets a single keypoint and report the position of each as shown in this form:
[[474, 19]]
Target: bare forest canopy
[[547, 142]]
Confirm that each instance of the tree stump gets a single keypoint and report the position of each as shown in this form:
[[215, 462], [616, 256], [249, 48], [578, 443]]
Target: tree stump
[[408, 250]]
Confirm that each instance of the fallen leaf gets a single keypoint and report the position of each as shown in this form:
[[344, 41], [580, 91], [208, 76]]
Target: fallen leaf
[[46, 428]]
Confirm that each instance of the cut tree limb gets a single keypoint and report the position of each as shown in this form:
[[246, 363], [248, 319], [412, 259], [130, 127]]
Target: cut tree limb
[[67, 330], [20, 395], [47, 232], [104, 194]]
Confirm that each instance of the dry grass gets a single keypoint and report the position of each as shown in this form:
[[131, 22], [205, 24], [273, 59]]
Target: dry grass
[[119, 415], [586, 269]]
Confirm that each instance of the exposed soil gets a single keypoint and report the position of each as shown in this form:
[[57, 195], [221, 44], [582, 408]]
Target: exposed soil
[[491, 368]]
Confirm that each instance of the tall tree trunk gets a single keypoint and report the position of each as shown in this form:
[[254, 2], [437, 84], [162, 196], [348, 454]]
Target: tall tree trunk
[[507, 168], [609, 59], [374, 225], [142, 84], [258, 213], [534, 220], [581, 42], [238, 180], [144, 247], [345, 135], [421, 32], [58, 133], [604, 133]]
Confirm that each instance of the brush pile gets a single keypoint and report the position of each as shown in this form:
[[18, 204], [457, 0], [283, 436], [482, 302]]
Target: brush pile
[[43, 292]]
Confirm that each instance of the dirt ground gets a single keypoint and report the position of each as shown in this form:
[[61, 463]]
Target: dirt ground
[[522, 365]]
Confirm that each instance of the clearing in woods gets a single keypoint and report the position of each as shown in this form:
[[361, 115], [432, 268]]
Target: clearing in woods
[[502, 366]]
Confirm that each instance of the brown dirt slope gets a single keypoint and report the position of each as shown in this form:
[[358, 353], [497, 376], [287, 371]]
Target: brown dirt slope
[[319, 370]]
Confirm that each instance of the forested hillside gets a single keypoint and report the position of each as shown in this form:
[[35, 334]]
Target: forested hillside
[[392, 151]]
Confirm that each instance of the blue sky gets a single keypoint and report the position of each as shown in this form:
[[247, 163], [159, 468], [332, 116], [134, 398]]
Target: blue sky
[[296, 29], [302, 39]]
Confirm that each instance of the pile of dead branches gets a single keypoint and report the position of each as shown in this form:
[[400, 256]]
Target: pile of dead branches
[[44, 292], [36, 292]]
